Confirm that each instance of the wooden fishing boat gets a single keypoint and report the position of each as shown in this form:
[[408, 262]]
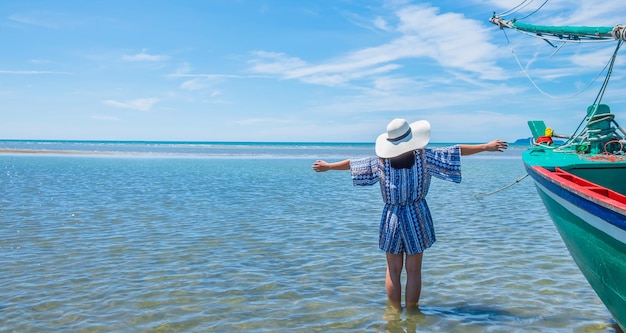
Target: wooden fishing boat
[[582, 181]]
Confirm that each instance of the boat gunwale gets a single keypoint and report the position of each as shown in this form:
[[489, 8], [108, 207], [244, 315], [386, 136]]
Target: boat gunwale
[[610, 210]]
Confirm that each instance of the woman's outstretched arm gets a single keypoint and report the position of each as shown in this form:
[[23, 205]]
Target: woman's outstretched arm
[[495, 145], [322, 166]]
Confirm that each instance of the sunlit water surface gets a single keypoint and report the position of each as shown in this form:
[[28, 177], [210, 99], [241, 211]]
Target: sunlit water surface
[[247, 242]]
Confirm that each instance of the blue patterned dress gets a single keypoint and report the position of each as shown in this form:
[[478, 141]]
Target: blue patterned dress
[[406, 225]]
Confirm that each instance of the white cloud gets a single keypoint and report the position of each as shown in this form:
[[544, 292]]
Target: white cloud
[[274, 62], [587, 12], [249, 121], [40, 61], [106, 118], [183, 69], [381, 24], [594, 60], [144, 56], [336, 79], [40, 19], [14, 72], [466, 48], [211, 76], [194, 84], [424, 33], [141, 104]]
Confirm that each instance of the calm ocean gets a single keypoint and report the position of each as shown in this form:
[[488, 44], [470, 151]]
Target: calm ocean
[[245, 237]]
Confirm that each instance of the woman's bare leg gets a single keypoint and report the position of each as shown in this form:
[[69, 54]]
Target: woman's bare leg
[[392, 281], [413, 279]]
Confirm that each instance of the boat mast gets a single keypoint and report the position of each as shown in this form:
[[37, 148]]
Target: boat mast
[[574, 33]]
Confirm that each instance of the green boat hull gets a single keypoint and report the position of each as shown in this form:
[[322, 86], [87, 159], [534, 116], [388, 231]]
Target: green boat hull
[[592, 225]]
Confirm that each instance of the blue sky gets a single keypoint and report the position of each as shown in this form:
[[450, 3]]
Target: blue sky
[[293, 70]]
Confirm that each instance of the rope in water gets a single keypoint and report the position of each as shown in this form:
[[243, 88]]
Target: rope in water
[[501, 189]]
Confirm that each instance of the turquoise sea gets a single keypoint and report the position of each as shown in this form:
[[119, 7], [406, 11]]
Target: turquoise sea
[[244, 237]]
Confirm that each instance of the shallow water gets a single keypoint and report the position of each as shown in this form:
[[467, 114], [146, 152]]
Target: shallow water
[[263, 244]]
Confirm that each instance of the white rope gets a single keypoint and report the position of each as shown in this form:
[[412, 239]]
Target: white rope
[[501, 189], [619, 32], [535, 84], [517, 8]]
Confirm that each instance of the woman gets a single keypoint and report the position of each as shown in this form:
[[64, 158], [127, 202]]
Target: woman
[[404, 166]]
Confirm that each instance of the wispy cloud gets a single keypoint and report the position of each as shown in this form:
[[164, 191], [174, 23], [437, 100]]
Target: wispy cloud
[[105, 118], [459, 98], [432, 33], [141, 104], [381, 24], [144, 56], [562, 12], [185, 70], [33, 72], [48, 20], [182, 69], [249, 121], [588, 12], [211, 76], [423, 33], [40, 61], [198, 81], [194, 84]]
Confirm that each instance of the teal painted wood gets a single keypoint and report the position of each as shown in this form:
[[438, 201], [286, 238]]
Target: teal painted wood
[[565, 30], [599, 251]]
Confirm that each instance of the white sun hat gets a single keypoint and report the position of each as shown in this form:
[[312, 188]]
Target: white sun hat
[[402, 137]]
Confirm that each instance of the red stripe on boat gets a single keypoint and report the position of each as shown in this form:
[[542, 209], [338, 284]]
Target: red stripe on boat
[[593, 190]]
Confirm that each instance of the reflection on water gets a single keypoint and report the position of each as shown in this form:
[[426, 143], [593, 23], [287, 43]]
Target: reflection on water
[[472, 318]]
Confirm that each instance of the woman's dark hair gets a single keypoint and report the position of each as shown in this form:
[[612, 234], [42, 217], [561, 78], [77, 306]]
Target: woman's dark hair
[[404, 161]]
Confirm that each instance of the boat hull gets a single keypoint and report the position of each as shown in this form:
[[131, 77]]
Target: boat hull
[[592, 223]]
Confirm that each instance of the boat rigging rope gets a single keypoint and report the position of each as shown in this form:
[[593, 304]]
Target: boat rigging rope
[[598, 99], [501, 189], [608, 76], [517, 8], [619, 32], [569, 39], [519, 63], [536, 10]]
